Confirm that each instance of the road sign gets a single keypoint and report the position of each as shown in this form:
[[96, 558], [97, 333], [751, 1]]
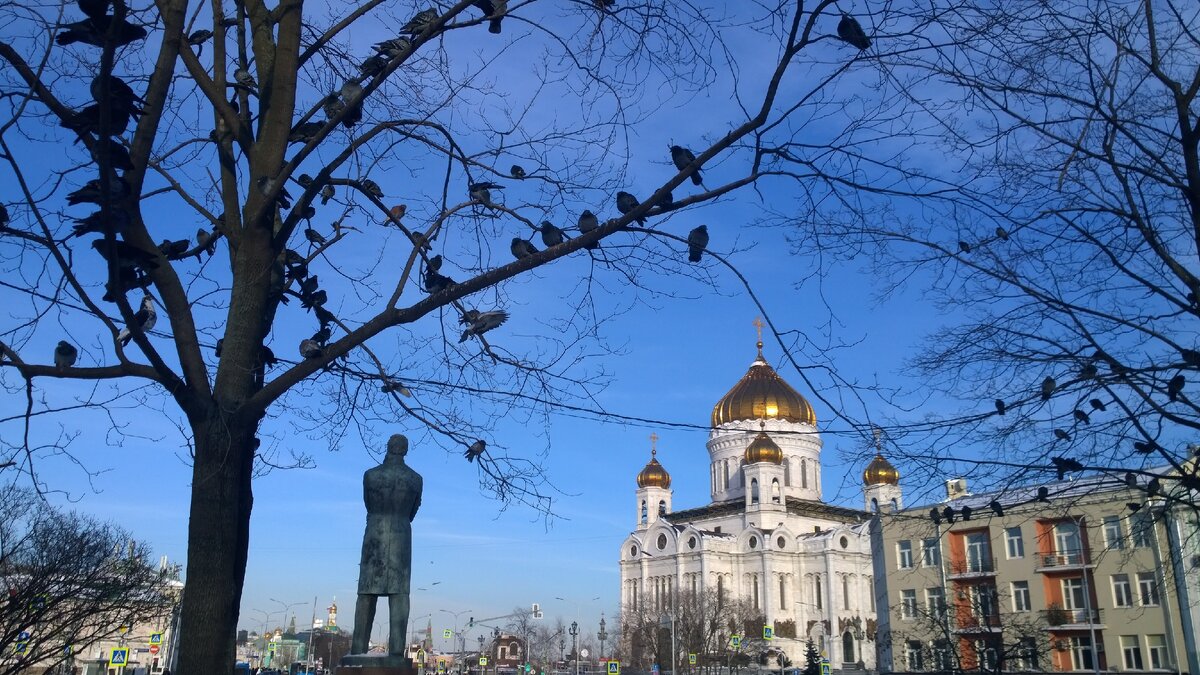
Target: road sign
[[654, 669], [153, 649], [735, 640], [23, 635], [447, 634], [20, 647], [691, 659], [483, 661], [614, 668], [156, 638], [824, 666], [420, 656], [271, 647], [119, 656], [768, 632]]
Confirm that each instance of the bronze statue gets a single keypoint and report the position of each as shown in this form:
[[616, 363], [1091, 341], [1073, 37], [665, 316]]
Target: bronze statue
[[392, 492]]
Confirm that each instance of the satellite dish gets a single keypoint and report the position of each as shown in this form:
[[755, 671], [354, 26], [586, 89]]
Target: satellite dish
[[583, 653]]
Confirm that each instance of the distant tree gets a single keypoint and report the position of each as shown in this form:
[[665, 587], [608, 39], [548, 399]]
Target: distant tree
[[812, 659], [69, 582]]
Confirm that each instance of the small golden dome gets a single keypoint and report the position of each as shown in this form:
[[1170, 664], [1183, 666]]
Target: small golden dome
[[654, 475], [880, 471], [762, 394], [763, 449]]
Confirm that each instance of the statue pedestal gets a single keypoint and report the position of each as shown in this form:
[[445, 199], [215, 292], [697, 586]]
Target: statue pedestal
[[375, 664]]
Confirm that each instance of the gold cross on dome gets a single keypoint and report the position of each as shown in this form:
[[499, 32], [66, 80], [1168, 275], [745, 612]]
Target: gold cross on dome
[[878, 439], [653, 443], [758, 326]]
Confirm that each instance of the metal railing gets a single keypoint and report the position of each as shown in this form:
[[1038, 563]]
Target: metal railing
[[1063, 559], [1061, 616], [971, 566]]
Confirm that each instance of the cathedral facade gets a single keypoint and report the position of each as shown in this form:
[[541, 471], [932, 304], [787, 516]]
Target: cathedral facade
[[766, 537]]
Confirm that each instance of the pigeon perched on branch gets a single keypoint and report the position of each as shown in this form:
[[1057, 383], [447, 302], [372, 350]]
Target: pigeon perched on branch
[[626, 203], [587, 223], [482, 192], [144, 319], [418, 23], [851, 32], [517, 171], [475, 450], [96, 31], [522, 248], [65, 355], [697, 241], [682, 157], [551, 235], [482, 322]]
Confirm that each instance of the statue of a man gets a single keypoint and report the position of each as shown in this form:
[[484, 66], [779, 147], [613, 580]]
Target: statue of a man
[[392, 492]]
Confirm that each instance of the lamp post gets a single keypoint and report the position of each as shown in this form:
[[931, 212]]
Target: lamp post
[[562, 650], [574, 631], [602, 635], [456, 615]]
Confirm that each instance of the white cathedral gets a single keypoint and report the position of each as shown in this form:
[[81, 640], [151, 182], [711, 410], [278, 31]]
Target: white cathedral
[[766, 537]]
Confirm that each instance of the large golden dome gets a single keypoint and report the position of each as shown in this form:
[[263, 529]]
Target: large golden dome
[[763, 449], [654, 475], [762, 394], [880, 471]]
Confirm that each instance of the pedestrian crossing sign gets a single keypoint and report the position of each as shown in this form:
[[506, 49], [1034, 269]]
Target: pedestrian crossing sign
[[447, 634], [119, 656], [483, 661], [736, 641], [156, 638], [614, 668], [20, 647], [691, 659], [768, 632], [271, 647]]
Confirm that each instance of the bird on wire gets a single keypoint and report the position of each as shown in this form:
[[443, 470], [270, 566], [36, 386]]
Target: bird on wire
[[626, 203], [475, 450], [1001, 407], [482, 322], [1081, 417], [682, 158], [948, 515], [850, 31], [1097, 404], [65, 355], [144, 318], [697, 241]]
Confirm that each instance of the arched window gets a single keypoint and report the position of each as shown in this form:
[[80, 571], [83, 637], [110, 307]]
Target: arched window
[[783, 591], [662, 507], [804, 473], [895, 505], [644, 512], [720, 590], [845, 591], [874, 505], [787, 471], [818, 594], [848, 648], [753, 490], [775, 496], [725, 474]]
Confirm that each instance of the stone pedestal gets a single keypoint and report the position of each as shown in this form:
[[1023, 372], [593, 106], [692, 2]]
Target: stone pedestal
[[375, 664]]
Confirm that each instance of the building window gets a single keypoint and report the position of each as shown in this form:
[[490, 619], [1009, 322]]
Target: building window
[[871, 587], [662, 508], [1122, 593], [1020, 596], [1131, 652], [935, 600], [912, 655], [782, 591], [661, 542], [1156, 649], [1014, 542], [908, 604], [904, 554], [1147, 589], [979, 552], [1025, 654], [818, 594], [753, 490], [931, 552], [804, 473], [943, 659], [1114, 538], [643, 512], [1072, 592], [1068, 542], [1081, 653], [845, 591], [775, 494], [986, 653], [1141, 526]]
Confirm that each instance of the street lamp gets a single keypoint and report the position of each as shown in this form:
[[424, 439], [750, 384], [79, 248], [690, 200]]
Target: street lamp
[[286, 607], [574, 631], [562, 650], [456, 615], [602, 635]]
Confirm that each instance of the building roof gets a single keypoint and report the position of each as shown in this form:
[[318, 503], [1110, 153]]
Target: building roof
[[795, 506]]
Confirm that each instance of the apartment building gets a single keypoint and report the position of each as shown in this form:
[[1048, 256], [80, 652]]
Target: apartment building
[[1061, 577]]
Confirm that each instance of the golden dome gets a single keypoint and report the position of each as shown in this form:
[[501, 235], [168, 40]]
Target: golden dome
[[763, 449], [880, 471], [654, 475], [762, 394]]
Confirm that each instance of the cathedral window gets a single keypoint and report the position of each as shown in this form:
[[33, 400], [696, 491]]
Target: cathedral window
[[804, 473], [781, 542], [662, 541], [818, 594], [662, 507], [691, 542], [753, 491], [845, 591], [783, 591], [775, 496], [787, 471], [643, 512], [753, 542]]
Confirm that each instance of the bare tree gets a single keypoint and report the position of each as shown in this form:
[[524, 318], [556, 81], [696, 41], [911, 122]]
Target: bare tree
[[69, 582], [704, 625], [367, 204]]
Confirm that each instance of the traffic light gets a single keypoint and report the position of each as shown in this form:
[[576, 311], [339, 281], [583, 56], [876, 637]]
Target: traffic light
[[471, 622]]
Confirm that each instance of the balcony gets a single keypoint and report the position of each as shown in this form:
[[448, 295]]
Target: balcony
[[1059, 618], [970, 622], [971, 567], [1062, 561]]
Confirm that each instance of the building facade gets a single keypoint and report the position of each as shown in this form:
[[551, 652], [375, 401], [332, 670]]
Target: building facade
[[766, 537], [1070, 576]]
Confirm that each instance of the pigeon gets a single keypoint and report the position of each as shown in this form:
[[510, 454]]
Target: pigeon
[[551, 235], [966, 513], [419, 240], [333, 106], [352, 93], [626, 203], [397, 212], [697, 241], [205, 241], [87, 120], [1043, 494], [1175, 387], [1097, 404], [418, 23], [494, 10], [935, 516], [322, 335], [243, 77], [1131, 479], [435, 282], [1065, 465], [3, 216], [94, 8], [1133, 507], [174, 250], [95, 32], [114, 153], [475, 450], [305, 180], [199, 37], [1081, 417], [1146, 447], [124, 254], [96, 223], [372, 65], [482, 322], [665, 201], [435, 263], [314, 237], [1001, 408], [1062, 435], [324, 316], [326, 194], [128, 278], [1191, 357], [482, 192], [964, 246], [304, 133], [1154, 486], [517, 171], [65, 355], [948, 514], [1048, 386], [522, 248], [996, 508], [394, 47], [372, 188], [144, 319], [1001, 234], [849, 31], [309, 349], [587, 223], [682, 158], [396, 386]]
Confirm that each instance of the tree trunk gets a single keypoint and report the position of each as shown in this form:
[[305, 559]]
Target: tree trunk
[[218, 540]]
